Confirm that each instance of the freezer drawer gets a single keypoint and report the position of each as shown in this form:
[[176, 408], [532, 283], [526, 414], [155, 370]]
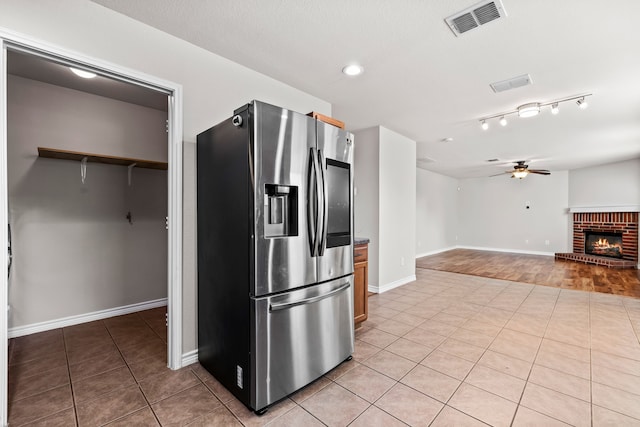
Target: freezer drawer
[[300, 336]]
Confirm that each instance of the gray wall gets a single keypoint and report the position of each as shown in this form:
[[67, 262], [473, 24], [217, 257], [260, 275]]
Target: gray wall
[[212, 88], [397, 208], [492, 213], [613, 184], [385, 204], [436, 212], [366, 177], [74, 250]]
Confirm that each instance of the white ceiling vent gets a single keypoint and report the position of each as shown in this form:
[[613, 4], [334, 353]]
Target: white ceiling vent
[[511, 83], [476, 15], [424, 160]]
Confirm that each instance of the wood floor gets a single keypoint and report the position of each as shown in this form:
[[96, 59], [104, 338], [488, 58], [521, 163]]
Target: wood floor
[[535, 269]]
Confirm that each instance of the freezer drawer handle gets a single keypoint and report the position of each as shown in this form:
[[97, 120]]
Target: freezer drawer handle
[[287, 305]]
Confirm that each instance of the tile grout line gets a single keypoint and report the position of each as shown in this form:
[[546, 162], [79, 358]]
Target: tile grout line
[[73, 397], [555, 303], [132, 375]]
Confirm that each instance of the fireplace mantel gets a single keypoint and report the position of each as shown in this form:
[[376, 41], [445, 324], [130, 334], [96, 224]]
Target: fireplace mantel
[[586, 209]]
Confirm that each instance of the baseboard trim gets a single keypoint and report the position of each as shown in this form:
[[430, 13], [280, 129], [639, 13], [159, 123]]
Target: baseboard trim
[[437, 251], [392, 285], [513, 251], [33, 328], [190, 357]]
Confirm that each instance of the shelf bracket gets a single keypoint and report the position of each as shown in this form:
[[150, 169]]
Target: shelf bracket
[[83, 168], [130, 167]]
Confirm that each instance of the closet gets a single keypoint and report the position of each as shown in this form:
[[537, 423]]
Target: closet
[[87, 187]]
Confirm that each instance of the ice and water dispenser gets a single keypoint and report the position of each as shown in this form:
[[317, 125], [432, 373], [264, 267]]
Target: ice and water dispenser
[[281, 213]]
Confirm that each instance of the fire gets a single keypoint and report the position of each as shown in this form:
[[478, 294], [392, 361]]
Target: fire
[[604, 244]]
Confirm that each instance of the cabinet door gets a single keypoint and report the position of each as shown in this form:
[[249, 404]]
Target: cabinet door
[[360, 292]]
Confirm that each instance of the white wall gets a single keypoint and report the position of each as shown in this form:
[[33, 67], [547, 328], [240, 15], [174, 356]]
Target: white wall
[[74, 250], [436, 212], [613, 184], [366, 182], [492, 213], [397, 208], [212, 87], [385, 205]]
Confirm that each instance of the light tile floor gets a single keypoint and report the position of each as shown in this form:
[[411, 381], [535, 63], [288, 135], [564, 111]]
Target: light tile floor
[[445, 350]]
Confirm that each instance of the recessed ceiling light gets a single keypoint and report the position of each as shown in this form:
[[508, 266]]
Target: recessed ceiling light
[[449, 139], [353, 70], [82, 73]]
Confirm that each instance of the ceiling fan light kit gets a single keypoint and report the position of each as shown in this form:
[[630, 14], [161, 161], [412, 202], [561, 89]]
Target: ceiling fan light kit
[[520, 170], [533, 109]]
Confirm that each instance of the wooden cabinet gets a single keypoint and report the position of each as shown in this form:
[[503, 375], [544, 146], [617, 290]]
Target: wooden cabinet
[[361, 284]]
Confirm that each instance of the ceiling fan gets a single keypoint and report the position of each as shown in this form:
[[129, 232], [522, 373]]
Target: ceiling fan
[[520, 170]]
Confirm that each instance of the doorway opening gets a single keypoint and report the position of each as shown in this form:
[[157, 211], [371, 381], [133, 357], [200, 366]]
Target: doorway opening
[[138, 202]]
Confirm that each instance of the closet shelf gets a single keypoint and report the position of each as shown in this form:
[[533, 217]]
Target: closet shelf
[[54, 153]]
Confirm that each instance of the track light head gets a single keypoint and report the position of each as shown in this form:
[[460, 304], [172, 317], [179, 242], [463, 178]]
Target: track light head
[[582, 103], [554, 108], [484, 125], [503, 121]]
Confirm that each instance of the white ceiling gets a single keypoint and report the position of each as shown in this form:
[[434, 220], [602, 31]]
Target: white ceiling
[[36, 68], [427, 84]]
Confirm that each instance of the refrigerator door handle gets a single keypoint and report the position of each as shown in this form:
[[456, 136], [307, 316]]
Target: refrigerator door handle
[[287, 305], [322, 242], [312, 202]]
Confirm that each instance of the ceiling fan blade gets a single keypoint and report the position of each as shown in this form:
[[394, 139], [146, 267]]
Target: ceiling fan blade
[[540, 171], [500, 174]]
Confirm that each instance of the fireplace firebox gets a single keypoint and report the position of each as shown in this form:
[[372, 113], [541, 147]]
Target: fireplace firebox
[[603, 244]]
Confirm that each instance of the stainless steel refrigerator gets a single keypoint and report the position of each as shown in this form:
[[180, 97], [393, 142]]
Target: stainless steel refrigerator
[[275, 251]]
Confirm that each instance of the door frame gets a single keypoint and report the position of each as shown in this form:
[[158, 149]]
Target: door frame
[[15, 41]]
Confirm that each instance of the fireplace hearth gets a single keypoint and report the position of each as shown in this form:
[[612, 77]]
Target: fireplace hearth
[[603, 244]]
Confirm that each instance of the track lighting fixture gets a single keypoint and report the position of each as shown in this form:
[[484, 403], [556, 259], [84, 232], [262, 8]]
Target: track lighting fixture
[[533, 109]]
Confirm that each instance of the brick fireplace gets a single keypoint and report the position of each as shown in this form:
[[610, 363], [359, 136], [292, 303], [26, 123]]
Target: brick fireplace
[[606, 223], [625, 223]]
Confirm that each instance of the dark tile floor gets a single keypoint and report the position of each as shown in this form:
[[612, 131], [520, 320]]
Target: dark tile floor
[[446, 350]]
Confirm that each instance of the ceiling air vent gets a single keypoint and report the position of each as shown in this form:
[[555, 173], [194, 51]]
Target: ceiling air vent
[[511, 83], [476, 15], [421, 161]]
